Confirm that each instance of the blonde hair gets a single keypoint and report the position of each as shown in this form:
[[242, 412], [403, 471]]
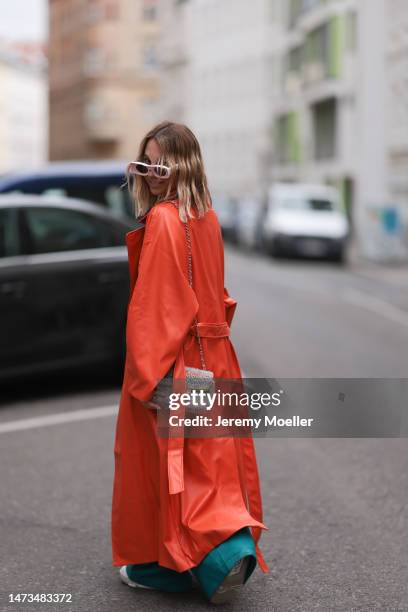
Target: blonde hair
[[188, 181]]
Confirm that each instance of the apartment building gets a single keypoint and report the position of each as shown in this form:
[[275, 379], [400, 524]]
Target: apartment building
[[317, 124], [104, 76], [269, 86], [340, 111], [23, 106], [397, 102], [229, 88], [175, 59]]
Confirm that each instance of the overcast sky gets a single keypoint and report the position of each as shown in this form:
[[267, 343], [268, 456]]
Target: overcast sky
[[23, 19]]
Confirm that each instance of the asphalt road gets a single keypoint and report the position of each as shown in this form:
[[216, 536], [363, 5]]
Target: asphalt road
[[337, 509]]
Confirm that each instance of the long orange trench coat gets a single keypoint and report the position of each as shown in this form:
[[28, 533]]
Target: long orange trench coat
[[175, 500]]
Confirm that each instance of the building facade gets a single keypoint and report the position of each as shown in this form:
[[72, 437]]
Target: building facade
[[23, 106], [397, 109], [175, 59], [315, 105], [104, 76], [268, 86], [230, 83], [296, 90]]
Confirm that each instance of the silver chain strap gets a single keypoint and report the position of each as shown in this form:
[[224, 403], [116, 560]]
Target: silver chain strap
[[190, 280]]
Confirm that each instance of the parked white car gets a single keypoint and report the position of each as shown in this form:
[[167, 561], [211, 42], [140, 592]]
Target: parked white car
[[305, 219]]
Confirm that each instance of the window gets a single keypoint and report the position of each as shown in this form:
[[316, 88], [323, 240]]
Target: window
[[93, 188], [59, 229], [150, 59], [317, 46], [9, 235], [351, 31], [119, 202], [324, 123], [295, 60], [150, 13], [95, 11], [94, 111], [295, 10], [94, 61], [304, 203], [99, 10], [150, 10], [308, 5]]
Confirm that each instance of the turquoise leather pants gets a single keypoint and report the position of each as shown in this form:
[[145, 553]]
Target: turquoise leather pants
[[210, 573]]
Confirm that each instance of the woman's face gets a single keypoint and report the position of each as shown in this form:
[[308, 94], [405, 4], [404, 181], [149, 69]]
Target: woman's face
[[152, 155]]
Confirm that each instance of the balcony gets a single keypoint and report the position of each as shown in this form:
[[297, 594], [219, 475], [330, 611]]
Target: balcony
[[298, 8], [324, 55]]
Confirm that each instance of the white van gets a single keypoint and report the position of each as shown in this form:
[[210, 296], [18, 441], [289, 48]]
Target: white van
[[305, 219]]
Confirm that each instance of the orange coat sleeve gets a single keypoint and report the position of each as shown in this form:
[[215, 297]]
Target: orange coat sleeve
[[162, 306]]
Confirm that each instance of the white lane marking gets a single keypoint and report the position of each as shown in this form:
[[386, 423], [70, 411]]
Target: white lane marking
[[380, 307], [57, 419]]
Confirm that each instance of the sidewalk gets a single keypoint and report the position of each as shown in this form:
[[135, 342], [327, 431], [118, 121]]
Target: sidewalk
[[393, 272]]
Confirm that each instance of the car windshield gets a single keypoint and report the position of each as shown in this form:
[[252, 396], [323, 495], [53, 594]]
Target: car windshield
[[297, 203]]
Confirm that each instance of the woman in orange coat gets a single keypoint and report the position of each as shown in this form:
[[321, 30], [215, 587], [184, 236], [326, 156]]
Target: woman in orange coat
[[183, 510]]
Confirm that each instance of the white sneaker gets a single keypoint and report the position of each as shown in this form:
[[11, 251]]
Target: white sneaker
[[125, 578]]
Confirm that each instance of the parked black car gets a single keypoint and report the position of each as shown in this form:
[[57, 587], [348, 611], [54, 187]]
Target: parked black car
[[98, 181], [64, 284]]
